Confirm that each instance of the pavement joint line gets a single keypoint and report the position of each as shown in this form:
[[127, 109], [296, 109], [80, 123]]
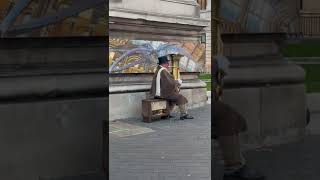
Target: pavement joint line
[[130, 129], [131, 132], [119, 131]]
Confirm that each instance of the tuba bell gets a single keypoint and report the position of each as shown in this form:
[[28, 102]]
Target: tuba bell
[[175, 59]]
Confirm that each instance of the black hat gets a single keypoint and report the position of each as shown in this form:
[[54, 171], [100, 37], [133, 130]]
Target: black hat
[[162, 59]]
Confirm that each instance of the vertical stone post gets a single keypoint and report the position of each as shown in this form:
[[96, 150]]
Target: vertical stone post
[[214, 26]]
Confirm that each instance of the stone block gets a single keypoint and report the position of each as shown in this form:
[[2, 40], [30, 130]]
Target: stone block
[[256, 49], [199, 95], [126, 105], [51, 138], [283, 107], [161, 8], [313, 102], [274, 114]]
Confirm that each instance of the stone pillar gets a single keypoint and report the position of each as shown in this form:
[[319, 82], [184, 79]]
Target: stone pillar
[[206, 14], [214, 26], [265, 88], [209, 4]]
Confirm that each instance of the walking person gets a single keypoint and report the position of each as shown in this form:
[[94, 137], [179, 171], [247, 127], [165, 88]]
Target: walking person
[[226, 126]]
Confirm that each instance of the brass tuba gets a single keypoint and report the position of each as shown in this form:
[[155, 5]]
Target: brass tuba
[[175, 59]]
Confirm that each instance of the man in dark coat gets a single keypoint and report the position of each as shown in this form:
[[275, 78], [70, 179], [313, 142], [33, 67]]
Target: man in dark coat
[[165, 87], [226, 125], [227, 121]]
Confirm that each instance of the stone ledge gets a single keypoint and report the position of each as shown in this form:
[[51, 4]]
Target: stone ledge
[[130, 103], [259, 75], [51, 86], [193, 3], [132, 14], [141, 87], [304, 60], [142, 77]]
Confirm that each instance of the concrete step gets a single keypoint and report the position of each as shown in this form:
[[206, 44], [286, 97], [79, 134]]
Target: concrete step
[[313, 102], [209, 97]]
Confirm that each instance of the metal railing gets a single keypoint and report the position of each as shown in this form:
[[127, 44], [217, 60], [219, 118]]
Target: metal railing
[[309, 24]]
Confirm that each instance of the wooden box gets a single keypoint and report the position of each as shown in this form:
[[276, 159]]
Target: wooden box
[[154, 109]]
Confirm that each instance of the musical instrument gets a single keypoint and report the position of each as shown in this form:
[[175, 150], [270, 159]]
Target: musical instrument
[[175, 67]]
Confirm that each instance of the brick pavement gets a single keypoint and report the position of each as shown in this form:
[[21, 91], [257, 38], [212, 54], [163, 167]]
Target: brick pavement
[[173, 150], [294, 161]]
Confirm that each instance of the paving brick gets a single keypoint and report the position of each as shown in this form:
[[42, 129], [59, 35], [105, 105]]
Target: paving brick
[[174, 150]]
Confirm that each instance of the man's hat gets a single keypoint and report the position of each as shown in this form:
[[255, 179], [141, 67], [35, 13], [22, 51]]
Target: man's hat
[[163, 59]]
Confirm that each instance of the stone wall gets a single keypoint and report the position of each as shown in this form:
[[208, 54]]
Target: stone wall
[[260, 16], [311, 6], [275, 113], [206, 14], [155, 20], [52, 104], [126, 92], [170, 11], [266, 89]]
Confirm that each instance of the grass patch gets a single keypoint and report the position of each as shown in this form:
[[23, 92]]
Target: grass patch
[[208, 86], [312, 81], [206, 78], [306, 49], [313, 87]]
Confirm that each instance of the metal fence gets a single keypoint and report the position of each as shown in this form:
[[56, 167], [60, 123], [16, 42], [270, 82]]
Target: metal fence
[[310, 24]]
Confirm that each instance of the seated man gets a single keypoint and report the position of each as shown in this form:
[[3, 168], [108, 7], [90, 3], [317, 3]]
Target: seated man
[[165, 87], [227, 124]]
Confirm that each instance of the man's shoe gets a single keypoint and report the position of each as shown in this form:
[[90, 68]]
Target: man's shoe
[[186, 116], [167, 117], [244, 173]]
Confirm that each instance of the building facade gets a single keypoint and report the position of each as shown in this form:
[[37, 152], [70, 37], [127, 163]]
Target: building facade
[[310, 6], [262, 85], [85, 21], [205, 13], [137, 29], [310, 18], [299, 17], [52, 89], [133, 26], [260, 16]]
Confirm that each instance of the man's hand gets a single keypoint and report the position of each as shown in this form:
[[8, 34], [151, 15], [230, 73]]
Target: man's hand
[[180, 82]]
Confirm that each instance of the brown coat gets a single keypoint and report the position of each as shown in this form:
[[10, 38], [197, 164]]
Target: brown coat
[[168, 88], [226, 120]]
